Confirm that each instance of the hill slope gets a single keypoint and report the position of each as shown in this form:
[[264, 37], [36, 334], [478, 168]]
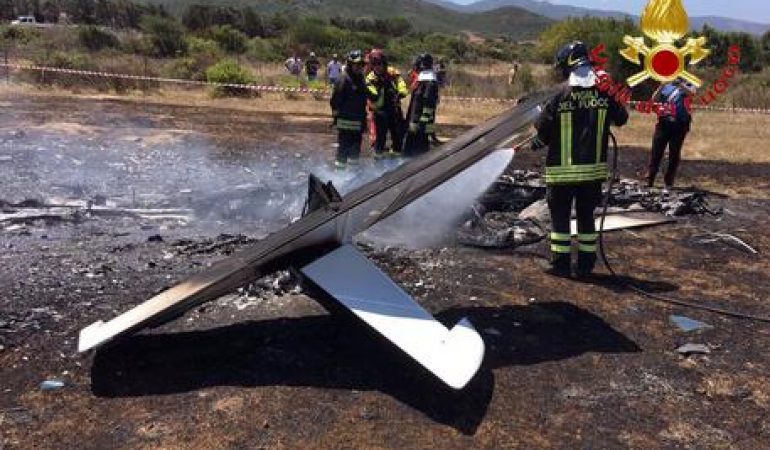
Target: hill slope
[[559, 12], [510, 21]]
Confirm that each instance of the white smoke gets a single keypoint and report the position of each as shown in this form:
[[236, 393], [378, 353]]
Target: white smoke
[[427, 221]]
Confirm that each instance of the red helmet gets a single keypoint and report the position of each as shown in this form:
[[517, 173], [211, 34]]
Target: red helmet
[[377, 57]]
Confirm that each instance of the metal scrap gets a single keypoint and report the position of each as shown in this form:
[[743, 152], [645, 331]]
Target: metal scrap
[[725, 238]]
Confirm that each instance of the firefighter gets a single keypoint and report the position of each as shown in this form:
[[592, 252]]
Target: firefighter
[[575, 126], [422, 106], [386, 88], [348, 104], [672, 128]]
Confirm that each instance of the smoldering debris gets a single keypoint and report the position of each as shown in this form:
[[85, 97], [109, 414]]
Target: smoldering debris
[[514, 212], [496, 220], [500, 230], [628, 194]]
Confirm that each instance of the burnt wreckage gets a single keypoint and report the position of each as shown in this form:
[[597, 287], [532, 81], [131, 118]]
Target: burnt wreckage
[[318, 247]]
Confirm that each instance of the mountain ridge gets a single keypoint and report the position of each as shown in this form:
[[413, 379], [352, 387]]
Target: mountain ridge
[[561, 12]]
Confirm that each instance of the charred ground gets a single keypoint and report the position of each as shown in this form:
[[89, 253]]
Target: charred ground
[[568, 364]]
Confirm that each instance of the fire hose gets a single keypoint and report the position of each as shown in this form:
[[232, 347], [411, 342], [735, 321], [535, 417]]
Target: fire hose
[[623, 281]]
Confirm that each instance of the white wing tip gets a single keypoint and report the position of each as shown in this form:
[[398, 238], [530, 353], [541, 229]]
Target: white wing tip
[[464, 353], [89, 337]]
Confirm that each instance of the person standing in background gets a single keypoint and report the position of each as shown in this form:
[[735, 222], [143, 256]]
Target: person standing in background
[[422, 106], [673, 125], [333, 70], [293, 64], [386, 88], [348, 105], [312, 66]]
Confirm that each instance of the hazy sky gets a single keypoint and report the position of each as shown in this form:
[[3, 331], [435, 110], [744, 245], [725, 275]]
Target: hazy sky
[[752, 10]]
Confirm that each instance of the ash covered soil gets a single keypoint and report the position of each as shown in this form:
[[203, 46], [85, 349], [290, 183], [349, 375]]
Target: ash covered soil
[[567, 364]]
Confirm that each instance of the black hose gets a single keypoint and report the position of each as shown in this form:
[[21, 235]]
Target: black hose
[[630, 285]]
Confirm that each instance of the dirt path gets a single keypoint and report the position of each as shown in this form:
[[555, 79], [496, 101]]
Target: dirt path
[[568, 364]]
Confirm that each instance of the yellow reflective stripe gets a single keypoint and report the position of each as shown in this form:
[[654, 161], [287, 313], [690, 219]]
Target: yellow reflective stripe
[[588, 236], [600, 134], [561, 248], [343, 124], [561, 236], [566, 139], [577, 168], [401, 87], [587, 248]]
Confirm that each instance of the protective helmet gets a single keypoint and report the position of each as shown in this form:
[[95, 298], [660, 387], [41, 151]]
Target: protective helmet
[[355, 57], [571, 57], [377, 57], [426, 61], [417, 63]]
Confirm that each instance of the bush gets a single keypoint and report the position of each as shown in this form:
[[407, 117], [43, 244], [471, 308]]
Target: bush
[[19, 35], [95, 38], [77, 61], [167, 37], [228, 38], [230, 72], [593, 31], [525, 81], [265, 50]]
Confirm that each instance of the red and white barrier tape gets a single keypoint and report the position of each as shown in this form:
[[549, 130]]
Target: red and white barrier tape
[[301, 90], [633, 105], [253, 87]]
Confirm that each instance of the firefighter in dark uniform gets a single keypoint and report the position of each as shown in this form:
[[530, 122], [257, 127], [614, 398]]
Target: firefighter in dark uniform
[[386, 88], [575, 126], [421, 114], [348, 104]]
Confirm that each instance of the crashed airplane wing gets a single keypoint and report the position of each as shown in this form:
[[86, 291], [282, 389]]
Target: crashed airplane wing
[[453, 355], [329, 228]]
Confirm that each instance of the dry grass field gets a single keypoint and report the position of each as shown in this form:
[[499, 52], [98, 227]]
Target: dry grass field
[[568, 364]]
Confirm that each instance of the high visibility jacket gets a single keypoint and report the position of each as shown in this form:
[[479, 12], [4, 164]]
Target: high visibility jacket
[[422, 107], [348, 102], [575, 125], [386, 91]]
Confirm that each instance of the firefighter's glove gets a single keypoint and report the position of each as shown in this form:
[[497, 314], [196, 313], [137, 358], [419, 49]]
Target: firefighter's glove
[[414, 127]]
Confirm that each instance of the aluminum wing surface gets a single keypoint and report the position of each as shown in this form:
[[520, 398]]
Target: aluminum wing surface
[[324, 229], [454, 356]]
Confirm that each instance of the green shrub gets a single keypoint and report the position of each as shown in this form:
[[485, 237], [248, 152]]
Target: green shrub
[[230, 72], [19, 35], [200, 46], [166, 36], [95, 38], [265, 50], [229, 39], [525, 81]]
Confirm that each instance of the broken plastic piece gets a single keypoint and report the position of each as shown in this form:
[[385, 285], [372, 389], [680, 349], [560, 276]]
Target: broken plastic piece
[[686, 324]]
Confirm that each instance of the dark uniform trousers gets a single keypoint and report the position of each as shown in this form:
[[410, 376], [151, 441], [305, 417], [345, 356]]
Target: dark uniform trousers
[[349, 146], [392, 122], [671, 135], [586, 197]]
